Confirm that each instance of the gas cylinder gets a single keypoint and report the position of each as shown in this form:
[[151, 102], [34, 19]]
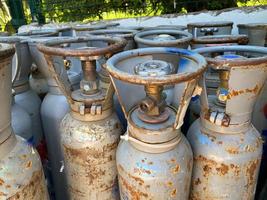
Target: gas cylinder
[[210, 28], [21, 172], [26, 97], [211, 76], [154, 159], [90, 131], [51, 116], [38, 82], [20, 119], [163, 38], [227, 148], [257, 33]]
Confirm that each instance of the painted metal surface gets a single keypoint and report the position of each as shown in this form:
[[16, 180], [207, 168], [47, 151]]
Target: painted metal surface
[[90, 131], [21, 172], [154, 160], [53, 109], [89, 152], [21, 175], [211, 76], [163, 38], [227, 148], [257, 33], [38, 82], [21, 122], [225, 166], [151, 176]]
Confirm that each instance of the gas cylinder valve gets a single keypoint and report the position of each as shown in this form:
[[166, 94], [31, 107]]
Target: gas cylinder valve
[[67, 64]]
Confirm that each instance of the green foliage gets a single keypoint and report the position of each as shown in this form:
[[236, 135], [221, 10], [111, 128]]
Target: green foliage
[[4, 16], [82, 10], [87, 10], [251, 3]]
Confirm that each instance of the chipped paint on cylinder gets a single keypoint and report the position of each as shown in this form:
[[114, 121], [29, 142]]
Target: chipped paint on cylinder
[[153, 176], [227, 148], [21, 174], [89, 152], [225, 166], [154, 159]]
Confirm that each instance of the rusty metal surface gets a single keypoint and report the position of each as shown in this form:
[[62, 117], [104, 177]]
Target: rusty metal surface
[[182, 38], [116, 44], [21, 175], [221, 39], [225, 166], [89, 151], [158, 80], [150, 176], [226, 64]]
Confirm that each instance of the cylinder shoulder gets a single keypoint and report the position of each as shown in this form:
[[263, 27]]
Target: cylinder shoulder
[[228, 146]]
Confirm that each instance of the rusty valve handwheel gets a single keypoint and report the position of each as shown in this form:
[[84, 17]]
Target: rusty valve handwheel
[[50, 47], [156, 80], [218, 63], [221, 39], [182, 38]]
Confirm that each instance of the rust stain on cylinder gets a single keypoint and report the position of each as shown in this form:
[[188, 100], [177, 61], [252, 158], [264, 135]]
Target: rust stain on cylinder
[[251, 169], [234, 93], [135, 194], [34, 190]]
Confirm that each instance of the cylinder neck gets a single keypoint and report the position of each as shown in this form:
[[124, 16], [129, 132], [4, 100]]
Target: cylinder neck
[[89, 84], [222, 91]]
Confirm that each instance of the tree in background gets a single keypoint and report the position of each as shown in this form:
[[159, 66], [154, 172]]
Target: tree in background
[[86, 10]]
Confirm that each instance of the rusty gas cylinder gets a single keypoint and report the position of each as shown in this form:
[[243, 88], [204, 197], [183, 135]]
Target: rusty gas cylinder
[[154, 160], [227, 148], [210, 28], [21, 173], [211, 76], [52, 116], [257, 34], [90, 131]]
